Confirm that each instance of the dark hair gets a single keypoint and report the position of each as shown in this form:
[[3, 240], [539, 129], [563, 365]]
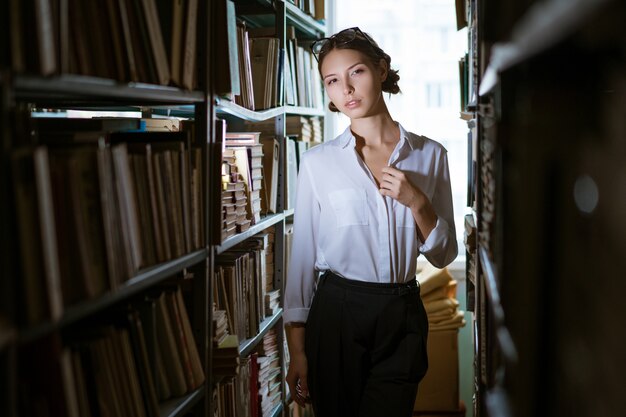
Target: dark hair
[[357, 40]]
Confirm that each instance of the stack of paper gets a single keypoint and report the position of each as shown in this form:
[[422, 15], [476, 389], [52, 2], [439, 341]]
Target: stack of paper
[[438, 291]]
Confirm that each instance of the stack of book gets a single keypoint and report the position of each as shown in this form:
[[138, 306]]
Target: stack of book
[[226, 361], [439, 390], [269, 374], [224, 398], [75, 190], [314, 8], [122, 369], [234, 197], [248, 154], [239, 279], [148, 41], [251, 72], [438, 291], [306, 129], [318, 130], [272, 302], [220, 326], [265, 245]]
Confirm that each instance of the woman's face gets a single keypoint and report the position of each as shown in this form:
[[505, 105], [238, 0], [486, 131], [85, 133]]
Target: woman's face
[[353, 83]]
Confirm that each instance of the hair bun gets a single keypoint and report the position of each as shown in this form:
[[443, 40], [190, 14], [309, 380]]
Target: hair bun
[[390, 85]]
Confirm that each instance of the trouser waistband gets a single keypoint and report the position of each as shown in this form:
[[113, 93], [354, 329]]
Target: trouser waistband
[[396, 288]]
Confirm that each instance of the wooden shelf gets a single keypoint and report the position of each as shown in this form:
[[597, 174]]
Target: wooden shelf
[[302, 21], [266, 222], [96, 91], [247, 346], [304, 111], [179, 406], [183, 110], [544, 25], [228, 107], [225, 106], [143, 280], [288, 212]]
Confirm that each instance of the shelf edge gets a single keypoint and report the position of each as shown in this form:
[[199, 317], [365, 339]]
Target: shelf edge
[[247, 346]]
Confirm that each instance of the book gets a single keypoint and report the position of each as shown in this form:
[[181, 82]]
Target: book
[[271, 154], [128, 209], [156, 43], [241, 138], [37, 235], [291, 174], [180, 337], [144, 367], [264, 59], [190, 43], [194, 356], [170, 350], [246, 98], [227, 51]]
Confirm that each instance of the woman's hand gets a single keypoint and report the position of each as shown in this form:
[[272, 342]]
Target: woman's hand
[[396, 185], [297, 379]]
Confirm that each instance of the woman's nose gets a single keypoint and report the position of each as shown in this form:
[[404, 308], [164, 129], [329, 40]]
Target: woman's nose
[[347, 88]]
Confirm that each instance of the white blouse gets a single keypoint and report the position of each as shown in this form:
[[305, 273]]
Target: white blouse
[[343, 223]]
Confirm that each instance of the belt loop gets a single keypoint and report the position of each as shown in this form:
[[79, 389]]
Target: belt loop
[[322, 279]]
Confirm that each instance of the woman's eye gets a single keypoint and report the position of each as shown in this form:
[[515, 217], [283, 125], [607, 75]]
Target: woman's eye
[[357, 71], [331, 81]]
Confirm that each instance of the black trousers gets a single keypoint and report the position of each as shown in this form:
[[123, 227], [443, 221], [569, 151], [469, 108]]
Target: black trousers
[[365, 345]]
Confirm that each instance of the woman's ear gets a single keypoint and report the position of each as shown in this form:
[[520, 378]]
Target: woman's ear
[[384, 71]]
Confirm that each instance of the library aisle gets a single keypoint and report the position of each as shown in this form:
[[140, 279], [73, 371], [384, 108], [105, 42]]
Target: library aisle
[[148, 164]]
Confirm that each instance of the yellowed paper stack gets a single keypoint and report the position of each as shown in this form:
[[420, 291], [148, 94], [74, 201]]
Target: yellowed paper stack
[[438, 291]]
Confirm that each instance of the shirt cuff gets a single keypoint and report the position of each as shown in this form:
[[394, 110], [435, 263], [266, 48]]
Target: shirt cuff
[[436, 238], [297, 315]]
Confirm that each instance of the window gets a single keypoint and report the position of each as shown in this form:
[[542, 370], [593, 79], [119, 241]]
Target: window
[[422, 40]]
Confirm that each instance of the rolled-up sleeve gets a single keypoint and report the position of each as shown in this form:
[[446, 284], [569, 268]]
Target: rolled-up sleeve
[[301, 275], [440, 247]]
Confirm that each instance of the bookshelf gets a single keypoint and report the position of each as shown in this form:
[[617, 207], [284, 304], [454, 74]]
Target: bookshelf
[[144, 280], [290, 25], [151, 200], [92, 89], [248, 345], [546, 151], [151, 293], [265, 223]]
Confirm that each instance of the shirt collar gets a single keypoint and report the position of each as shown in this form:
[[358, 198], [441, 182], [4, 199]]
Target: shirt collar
[[406, 138]]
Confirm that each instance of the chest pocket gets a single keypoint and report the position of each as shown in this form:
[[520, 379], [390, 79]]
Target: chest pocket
[[350, 206]]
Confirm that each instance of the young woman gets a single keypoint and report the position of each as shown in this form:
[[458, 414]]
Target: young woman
[[367, 204]]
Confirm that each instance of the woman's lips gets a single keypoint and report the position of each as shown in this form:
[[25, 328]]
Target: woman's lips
[[352, 103]]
